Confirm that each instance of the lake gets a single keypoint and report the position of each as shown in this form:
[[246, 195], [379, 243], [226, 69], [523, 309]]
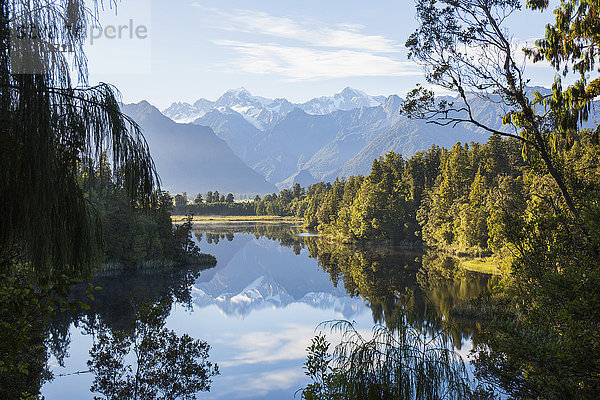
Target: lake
[[262, 303]]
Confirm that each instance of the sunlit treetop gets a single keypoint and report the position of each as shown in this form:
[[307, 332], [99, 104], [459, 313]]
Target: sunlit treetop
[[571, 45]]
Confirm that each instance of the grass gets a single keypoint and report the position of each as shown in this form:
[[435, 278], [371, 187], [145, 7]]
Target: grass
[[263, 219], [485, 266]]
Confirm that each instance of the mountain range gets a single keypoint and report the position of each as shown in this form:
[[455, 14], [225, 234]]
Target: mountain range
[[263, 143], [191, 157]]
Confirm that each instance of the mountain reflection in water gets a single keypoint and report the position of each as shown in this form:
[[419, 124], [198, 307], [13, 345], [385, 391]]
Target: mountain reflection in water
[[260, 305]]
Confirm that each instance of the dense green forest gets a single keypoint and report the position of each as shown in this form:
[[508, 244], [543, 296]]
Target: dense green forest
[[445, 197], [137, 236]]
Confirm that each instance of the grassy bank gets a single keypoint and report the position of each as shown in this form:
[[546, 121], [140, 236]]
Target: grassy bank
[[485, 266]]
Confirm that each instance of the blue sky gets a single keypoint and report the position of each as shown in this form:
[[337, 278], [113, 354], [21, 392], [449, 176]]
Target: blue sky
[[292, 49]]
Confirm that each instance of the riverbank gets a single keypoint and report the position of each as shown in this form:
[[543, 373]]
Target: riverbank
[[484, 265], [221, 219]]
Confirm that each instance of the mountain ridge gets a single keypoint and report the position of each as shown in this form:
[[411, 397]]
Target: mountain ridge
[[191, 157], [330, 136]]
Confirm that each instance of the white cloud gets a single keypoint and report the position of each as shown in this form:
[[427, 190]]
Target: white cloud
[[268, 347], [254, 385], [301, 49], [301, 63], [310, 32]]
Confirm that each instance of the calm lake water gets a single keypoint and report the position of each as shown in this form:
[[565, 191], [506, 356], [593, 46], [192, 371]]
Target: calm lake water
[[262, 303]]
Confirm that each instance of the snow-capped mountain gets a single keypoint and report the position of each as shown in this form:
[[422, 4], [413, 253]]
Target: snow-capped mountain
[[329, 136], [347, 99], [263, 113], [182, 112], [324, 138]]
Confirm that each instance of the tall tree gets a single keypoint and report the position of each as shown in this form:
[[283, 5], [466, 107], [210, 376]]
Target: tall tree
[[181, 199], [571, 45], [49, 126], [52, 129], [471, 53]]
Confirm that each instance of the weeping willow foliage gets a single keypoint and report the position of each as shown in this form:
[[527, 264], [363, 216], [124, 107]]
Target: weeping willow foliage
[[400, 362], [49, 126]]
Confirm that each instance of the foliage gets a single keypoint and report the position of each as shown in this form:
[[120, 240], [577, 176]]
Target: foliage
[[166, 367], [472, 54], [571, 44], [540, 337], [136, 235], [23, 354], [397, 363], [48, 128], [326, 381]]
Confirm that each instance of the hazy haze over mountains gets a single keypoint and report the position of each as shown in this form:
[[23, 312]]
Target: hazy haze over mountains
[[191, 157], [262, 143]]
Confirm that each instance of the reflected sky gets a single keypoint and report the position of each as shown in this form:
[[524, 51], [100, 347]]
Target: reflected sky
[[258, 309]]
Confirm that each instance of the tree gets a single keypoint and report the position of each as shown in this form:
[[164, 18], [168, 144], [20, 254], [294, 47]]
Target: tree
[[229, 198], [216, 196], [48, 128], [539, 336], [471, 53], [571, 44], [297, 190], [181, 200], [400, 362], [198, 199], [167, 366], [51, 130], [209, 197]]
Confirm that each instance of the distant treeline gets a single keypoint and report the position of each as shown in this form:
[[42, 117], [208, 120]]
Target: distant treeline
[[213, 203], [445, 197]]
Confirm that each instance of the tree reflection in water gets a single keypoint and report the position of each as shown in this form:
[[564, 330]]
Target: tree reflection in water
[[115, 304], [423, 287]]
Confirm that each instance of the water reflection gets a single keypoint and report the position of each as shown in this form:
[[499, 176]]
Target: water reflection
[[259, 306], [425, 286]]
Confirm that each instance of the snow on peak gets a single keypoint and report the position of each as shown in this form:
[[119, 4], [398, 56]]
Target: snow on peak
[[264, 292], [263, 112], [238, 91], [349, 92], [346, 99]]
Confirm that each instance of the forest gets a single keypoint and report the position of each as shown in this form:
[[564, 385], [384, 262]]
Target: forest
[[79, 192]]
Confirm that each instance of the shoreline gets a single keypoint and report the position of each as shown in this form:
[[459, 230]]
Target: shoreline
[[237, 220]]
